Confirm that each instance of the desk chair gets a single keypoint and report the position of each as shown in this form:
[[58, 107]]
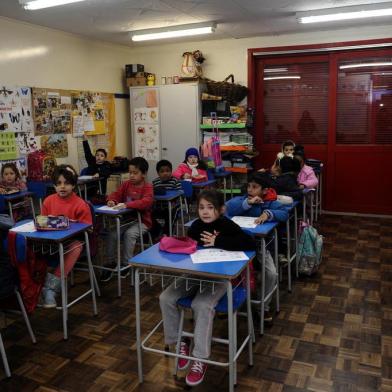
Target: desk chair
[[239, 298], [188, 193], [317, 166]]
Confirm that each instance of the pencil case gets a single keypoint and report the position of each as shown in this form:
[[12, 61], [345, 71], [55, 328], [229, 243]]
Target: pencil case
[[51, 222]]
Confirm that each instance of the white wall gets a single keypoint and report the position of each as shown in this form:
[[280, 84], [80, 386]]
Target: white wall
[[36, 56], [39, 57]]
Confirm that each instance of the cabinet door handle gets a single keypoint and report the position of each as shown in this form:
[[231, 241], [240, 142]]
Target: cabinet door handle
[[164, 149]]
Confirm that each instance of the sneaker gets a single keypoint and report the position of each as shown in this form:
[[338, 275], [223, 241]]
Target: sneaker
[[184, 350], [282, 259], [49, 298], [196, 374]]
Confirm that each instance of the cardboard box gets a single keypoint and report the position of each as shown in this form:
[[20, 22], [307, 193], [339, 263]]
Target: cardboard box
[[132, 69], [137, 81]]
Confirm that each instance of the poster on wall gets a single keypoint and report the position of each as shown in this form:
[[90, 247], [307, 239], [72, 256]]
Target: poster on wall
[[56, 145], [20, 164], [8, 146], [15, 109], [52, 111], [89, 114], [26, 142], [145, 120]]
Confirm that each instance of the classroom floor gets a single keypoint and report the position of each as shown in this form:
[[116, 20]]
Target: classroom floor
[[333, 333]]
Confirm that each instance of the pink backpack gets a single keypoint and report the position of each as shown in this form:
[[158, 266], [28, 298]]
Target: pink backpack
[[40, 166], [178, 245]]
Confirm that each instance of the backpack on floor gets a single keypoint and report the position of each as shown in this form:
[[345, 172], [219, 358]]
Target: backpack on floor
[[40, 165], [310, 248]]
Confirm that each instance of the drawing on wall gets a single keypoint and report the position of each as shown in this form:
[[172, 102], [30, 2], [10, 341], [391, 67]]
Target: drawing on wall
[[7, 146], [20, 164], [26, 142], [147, 141], [57, 145], [52, 111], [15, 109], [146, 115]]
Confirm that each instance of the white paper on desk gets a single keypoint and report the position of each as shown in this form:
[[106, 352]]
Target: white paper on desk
[[107, 208], [28, 227], [213, 255], [245, 221], [85, 177]]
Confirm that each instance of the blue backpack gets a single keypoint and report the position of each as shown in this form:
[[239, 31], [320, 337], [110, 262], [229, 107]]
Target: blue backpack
[[310, 248]]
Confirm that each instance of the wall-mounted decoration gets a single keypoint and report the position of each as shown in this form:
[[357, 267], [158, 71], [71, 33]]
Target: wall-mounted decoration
[[57, 145]]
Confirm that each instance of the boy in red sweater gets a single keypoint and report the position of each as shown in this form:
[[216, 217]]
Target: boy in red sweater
[[136, 194], [64, 202]]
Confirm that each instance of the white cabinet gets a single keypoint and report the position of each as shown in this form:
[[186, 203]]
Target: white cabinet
[[166, 130]]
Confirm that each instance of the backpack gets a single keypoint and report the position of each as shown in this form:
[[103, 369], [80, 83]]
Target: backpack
[[310, 248], [40, 165]]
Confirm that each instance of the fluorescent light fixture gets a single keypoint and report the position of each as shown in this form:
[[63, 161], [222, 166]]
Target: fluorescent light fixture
[[172, 32], [39, 4], [282, 77], [364, 65], [275, 70], [346, 13]]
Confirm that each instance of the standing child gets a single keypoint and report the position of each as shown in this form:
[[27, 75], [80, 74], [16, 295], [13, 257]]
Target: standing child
[[255, 204], [64, 202], [98, 166], [306, 177], [164, 182], [138, 195], [192, 168], [210, 229]]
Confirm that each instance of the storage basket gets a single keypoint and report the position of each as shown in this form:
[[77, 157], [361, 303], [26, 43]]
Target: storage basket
[[229, 91]]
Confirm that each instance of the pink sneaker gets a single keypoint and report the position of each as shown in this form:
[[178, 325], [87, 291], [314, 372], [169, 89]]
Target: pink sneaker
[[196, 374], [184, 350]]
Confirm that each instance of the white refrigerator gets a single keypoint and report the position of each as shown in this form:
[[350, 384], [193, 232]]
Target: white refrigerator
[[165, 121]]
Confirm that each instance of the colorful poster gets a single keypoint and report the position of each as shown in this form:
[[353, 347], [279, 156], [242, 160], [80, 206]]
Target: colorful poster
[[15, 109], [52, 111], [26, 142], [21, 165], [8, 146], [147, 141], [56, 145]]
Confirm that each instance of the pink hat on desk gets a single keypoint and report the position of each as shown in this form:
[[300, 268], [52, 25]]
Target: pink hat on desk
[[178, 245]]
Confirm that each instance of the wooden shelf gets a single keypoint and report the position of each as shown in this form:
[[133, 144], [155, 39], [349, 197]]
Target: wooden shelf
[[234, 148], [224, 126], [237, 169]]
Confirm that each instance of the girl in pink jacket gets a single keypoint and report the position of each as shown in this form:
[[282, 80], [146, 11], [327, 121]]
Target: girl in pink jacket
[[306, 177], [192, 168]]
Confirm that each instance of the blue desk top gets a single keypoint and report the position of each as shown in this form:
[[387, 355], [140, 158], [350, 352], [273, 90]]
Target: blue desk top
[[113, 212], [16, 195], [169, 195], [55, 235], [203, 183], [182, 263]]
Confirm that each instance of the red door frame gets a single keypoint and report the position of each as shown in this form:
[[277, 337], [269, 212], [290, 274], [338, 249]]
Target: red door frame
[[255, 85]]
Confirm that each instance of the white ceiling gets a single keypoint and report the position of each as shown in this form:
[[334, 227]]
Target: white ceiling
[[110, 20]]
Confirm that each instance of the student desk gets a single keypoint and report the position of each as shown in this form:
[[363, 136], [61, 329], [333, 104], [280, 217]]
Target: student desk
[[58, 240], [203, 184], [84, 181], [311, 192], [180, 264], [118, 216], [223, 175], [16, 196], [169, 197]]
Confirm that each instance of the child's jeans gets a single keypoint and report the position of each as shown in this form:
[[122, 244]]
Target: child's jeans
[[130, 235], [203, 306]]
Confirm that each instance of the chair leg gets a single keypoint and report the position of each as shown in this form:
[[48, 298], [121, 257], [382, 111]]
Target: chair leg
[[25, 316], [4, 357], [235, 345], [180, 328]]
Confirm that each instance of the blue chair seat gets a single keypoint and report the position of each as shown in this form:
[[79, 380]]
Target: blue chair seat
[[239, 297]]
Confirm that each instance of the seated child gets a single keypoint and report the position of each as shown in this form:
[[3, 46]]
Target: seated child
[[210, 229], [136, 194], [64, 202], [98, 166], [255, 204], [192, 168], [287, 150], [306, 177], [164, 182]]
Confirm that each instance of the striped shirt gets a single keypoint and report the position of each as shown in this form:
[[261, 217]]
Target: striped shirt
[[170, 185]]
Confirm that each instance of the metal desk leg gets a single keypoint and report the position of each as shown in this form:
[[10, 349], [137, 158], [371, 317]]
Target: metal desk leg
[[138, 327], [231, 185], [296, 240], [100, 187], [276, 265], [64, 299], [182, 217], [170, 218], [139, 221], [311, 207], [262, 250], [4, 357], [91, 272], [10, 208], [250, 318], [304, 208], [231, 334], [32, 206], [85, 191], [224, 189], [118, 255], [288, 255]]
